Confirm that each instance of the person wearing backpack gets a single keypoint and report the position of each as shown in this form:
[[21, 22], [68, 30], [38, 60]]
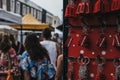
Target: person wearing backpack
[[35, 61]]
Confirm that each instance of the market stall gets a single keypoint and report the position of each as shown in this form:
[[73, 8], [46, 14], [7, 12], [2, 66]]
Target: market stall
[[30, 23]]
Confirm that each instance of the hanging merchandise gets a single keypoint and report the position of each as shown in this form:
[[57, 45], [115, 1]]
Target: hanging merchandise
[[84, 7], [102, 6], [70, 74], [70, 9], [93, 40], [117, 69], [98, 6], [83, 69], [115, 5], [100, 62]]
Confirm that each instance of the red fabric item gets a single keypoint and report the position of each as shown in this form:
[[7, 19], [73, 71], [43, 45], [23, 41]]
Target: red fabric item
[[97, 6], [115, 5], [70, 10], [80, 8]]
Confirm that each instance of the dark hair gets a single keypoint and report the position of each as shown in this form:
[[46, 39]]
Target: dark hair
[[46, 33], [34, 48], [12, 39], [5, 44]]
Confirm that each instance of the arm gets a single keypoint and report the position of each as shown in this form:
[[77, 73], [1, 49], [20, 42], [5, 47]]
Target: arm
[[59, 67], [26, 76]]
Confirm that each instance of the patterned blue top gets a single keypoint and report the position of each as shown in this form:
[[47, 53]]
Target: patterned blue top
[[38, 70]]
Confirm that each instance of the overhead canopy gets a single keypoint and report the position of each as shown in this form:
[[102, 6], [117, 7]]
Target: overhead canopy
[[9, 18], [7, 29], [30, 23]]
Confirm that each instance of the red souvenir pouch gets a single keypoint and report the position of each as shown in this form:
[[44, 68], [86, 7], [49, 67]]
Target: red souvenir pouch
[[115, 5], [81, 7], [97, 6], [70, 9]]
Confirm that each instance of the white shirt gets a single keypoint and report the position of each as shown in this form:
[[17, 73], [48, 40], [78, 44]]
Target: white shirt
[[52, 50]]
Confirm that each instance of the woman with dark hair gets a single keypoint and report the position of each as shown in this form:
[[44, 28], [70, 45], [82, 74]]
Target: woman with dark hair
[[34, 60]]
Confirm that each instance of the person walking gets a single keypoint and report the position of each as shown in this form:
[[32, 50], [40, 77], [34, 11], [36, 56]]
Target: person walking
[[35, 60], [50, 45]]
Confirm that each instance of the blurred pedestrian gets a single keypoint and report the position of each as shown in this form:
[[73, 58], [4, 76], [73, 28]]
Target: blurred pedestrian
[[8, 59], [50, 45], [19, 48], [35, 60], [56, 38]]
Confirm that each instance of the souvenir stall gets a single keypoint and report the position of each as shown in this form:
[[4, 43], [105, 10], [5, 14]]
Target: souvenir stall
[[92, 46]]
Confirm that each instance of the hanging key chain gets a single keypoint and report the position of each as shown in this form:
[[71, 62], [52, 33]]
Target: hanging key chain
[[70, 69], [83, 69], [117, 69], [100, 75]]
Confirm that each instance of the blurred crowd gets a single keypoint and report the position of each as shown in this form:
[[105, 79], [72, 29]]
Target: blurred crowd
[[38, 58]]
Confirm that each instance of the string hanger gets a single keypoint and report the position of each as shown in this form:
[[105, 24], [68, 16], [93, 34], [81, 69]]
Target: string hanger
[[85, 26]]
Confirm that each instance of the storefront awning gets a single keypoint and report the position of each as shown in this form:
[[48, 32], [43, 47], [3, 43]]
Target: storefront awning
[[9, 18], [30, 23]]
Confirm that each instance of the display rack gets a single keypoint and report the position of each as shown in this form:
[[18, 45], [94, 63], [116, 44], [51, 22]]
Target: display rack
[[92, 40]]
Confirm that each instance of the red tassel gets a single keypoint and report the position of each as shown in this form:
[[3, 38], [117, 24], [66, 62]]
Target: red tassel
[[97, 6], [67, 11], [70, 11], [115, 5], [80, 8]]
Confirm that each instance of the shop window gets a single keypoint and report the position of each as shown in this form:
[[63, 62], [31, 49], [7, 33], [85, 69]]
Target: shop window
[[34, 13], [0, 3], [28, 9], [24, 9], [4, 4], [31, 11], [12, 5], [38, 15], [18, 7]]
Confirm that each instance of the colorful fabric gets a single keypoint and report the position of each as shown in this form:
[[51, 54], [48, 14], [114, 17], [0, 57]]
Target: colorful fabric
[[4, 60], [41, 71]]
